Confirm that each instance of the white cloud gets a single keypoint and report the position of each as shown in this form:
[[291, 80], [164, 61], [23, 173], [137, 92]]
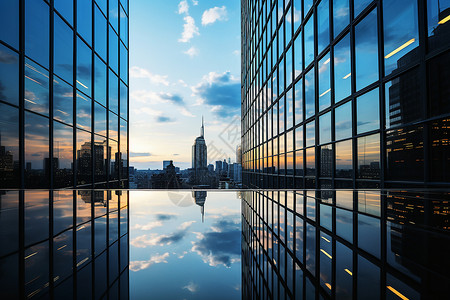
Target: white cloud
[[189, 30], [214, 14], [237, 52], [138, 72], [144, 264], [148, 226], [183, 7], [186, 113], [191, 287], [194, 2], [191, 51]]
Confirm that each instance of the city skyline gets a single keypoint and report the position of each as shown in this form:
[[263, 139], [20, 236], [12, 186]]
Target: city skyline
[[175, 78]]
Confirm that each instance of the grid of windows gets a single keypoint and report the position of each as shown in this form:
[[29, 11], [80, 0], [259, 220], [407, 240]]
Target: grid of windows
[[344, 244], [63, 93], [345, 93], [64, 244]]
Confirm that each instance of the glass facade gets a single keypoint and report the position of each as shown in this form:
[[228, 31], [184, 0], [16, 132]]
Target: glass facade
[[63, 93], [359, 88], [71, 244], [344, 244]]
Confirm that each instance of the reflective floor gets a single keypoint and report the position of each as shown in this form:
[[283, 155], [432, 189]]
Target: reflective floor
[[344, 244]]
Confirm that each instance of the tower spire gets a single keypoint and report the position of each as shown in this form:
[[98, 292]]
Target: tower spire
[[202, 131]]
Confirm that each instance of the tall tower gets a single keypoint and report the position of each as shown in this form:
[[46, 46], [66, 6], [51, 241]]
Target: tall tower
[[199, 158]]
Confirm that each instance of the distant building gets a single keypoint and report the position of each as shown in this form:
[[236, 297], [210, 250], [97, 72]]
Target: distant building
[[219, 166], [239, 154], [199, 159], [211, 168], [168, 179], [166, 163]]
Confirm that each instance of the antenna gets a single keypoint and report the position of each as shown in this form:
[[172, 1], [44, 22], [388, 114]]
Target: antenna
[[202, 131]]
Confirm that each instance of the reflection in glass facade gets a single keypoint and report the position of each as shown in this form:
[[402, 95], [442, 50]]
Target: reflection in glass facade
[[358, 87], [345, 244], [63, 88], [69, 244]]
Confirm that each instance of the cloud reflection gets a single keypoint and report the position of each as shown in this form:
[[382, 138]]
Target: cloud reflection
[[139, 265], [221, 246]]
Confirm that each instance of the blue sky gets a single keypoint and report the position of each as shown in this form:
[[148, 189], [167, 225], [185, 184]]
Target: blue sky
[[184, 63]]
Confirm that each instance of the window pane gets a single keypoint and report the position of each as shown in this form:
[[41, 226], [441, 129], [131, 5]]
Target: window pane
[[343, 121], [310, 101], [123, 27], [299, 102], [36, 151], [297, 4], [124, 64], [440, 150], [323, 25], [113, 126], [36, 88], [405, 153], [310, 134], [63, 50], [113, 92], [101, 29], [299, 163], [326, 161], [289, 110], [114, 13], [307, 4], [84, 67], [369, 157], [325, 128], [103, 5], [344, 165], [62, 101], [310, 162], [298, 55], [84, 107], [84, 19], [288, 26], [84, 157], [324, 82], [368, 111], [63, 155], [360, 5], [438, 12], [366, 51], [37, 24], [341, 15], [100, 157], [124, 143], [281, 76], [439, 89], [114, 158], [123, 101], [9, 146], [65, 8], [9, 75], [342, 69], [401, 33], [100, 119], [100, 70], [368, 280], [9, 18], [299, 138], [344, 269], [403, 99], [281, 114], [289, 74], [113, 50], [309, 41]]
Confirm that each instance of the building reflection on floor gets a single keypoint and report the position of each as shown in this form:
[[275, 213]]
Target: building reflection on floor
[[345, 244], [64, 244]]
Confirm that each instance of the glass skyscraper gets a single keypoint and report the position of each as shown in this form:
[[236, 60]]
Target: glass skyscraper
[[63, 93], [345, 93]]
